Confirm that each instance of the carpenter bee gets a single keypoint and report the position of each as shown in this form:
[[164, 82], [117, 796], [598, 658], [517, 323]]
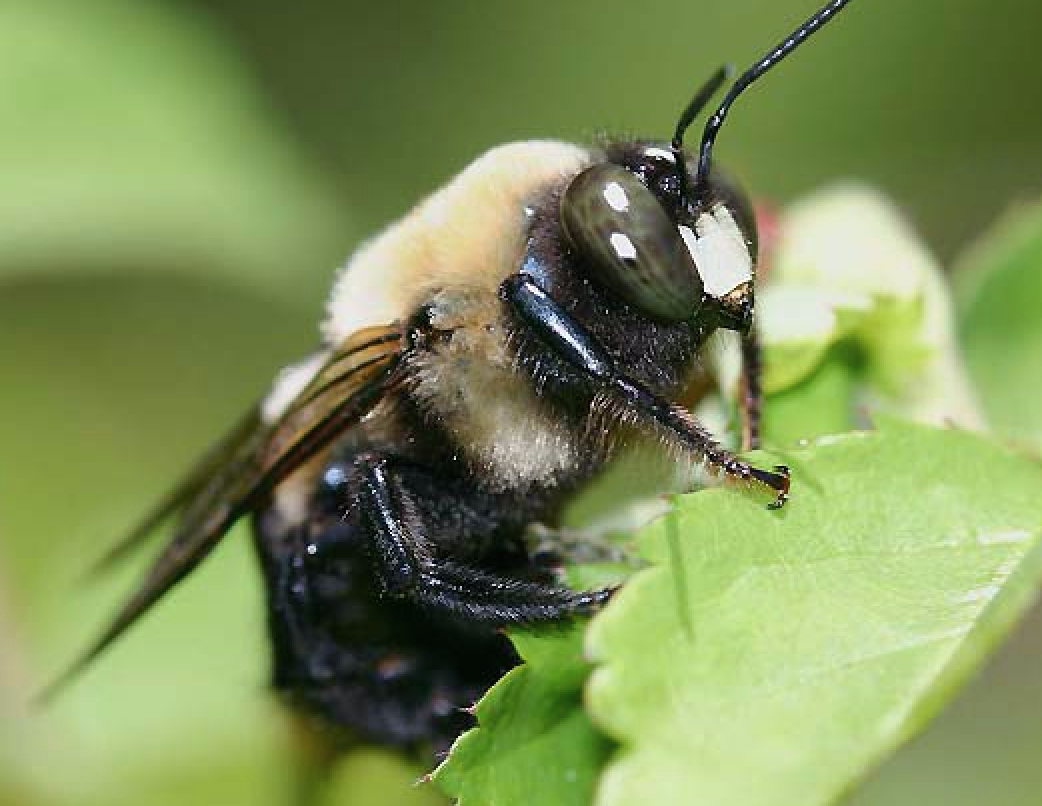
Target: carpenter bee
[[481, 359]]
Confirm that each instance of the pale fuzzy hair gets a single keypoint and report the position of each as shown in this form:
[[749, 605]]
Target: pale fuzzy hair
[[466, 235]]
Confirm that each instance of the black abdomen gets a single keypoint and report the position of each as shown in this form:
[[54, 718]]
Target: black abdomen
[[384, 669]]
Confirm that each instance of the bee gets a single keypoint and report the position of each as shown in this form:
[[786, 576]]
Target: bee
[[481, 359]]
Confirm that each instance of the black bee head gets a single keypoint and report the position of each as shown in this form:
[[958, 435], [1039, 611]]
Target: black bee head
[[672, 255]]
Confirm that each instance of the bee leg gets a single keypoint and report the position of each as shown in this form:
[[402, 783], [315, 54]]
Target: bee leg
[[750, 402], [571, 343], [408, 568], [500, 600]]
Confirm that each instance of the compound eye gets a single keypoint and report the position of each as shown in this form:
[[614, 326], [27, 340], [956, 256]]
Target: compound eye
[[630, 243]]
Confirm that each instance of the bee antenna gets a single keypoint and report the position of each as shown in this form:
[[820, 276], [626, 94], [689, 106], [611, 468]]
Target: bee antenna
[[772, 58], [691, 111]]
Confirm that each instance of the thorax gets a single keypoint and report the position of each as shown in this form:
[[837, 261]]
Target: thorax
[[469, 383]]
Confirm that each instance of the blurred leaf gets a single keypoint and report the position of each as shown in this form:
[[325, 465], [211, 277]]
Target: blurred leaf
[[809, 642], [368, 775], [109, 389], [849, 273], [999, 290], [534, 743], [131, 135]]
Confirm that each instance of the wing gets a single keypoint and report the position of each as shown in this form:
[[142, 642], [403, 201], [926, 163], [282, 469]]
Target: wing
[[179, 495], [246, 465]]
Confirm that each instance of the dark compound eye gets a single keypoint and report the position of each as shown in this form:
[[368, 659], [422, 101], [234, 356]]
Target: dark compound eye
[[630, 243]]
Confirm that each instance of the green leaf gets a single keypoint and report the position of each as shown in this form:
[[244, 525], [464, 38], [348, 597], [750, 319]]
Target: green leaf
[[999, 285], [132, 138], [807, 643], [534, 743]]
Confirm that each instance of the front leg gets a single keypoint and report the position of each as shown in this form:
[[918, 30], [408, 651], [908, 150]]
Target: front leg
[[559, 331], [750, 402]]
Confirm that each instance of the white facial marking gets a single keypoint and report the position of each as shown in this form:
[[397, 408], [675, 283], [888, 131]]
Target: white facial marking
[[615, 195], [623, 246], [719, 251]]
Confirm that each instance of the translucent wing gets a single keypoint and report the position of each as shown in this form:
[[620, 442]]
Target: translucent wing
[[177, 497], [245, 466]]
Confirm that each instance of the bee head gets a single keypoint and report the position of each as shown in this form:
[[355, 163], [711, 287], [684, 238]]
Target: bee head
[[669, 235], [673, 255]]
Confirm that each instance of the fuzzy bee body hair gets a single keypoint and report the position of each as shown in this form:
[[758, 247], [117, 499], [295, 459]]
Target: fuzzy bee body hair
[[451, 253], [466, 235]]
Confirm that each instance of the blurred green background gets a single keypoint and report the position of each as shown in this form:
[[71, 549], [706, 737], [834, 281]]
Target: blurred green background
[[178, 182]]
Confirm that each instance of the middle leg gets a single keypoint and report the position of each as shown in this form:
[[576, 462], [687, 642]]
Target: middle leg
[[408, 564]]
